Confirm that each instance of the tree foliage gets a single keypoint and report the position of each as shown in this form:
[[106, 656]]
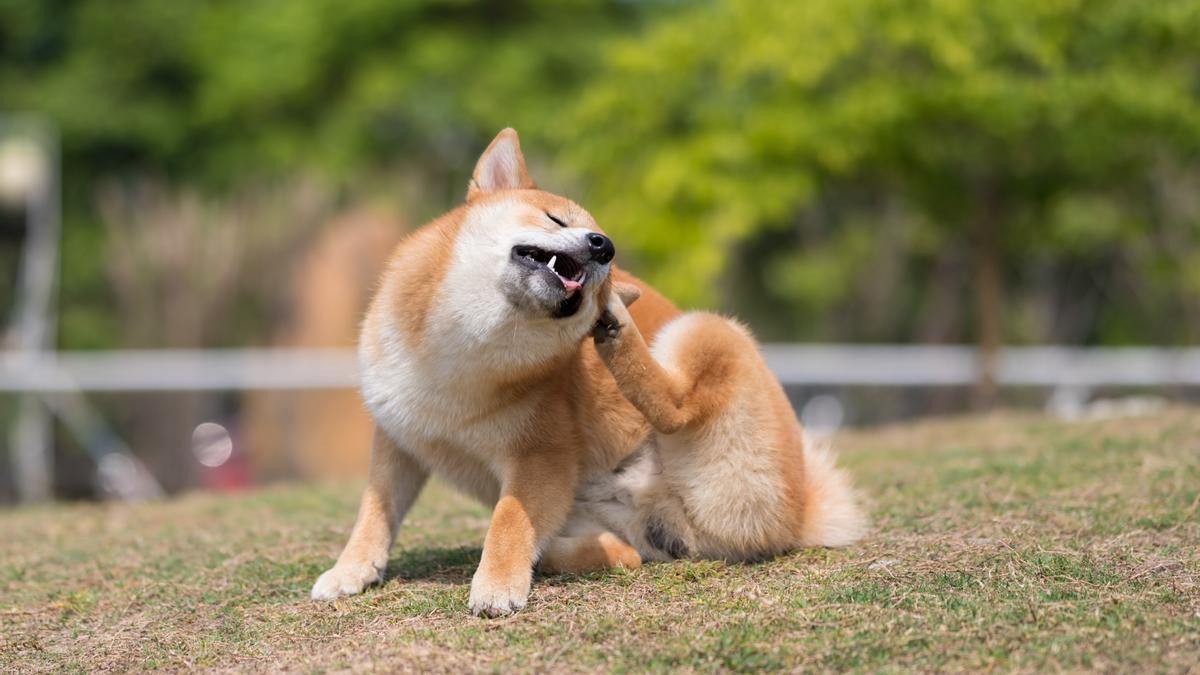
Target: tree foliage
[[377, 98], [842, 159], [850, 169], [214, 92]]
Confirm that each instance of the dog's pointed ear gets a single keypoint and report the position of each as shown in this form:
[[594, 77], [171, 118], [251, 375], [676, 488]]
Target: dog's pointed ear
[[500, 167], [627, 292]]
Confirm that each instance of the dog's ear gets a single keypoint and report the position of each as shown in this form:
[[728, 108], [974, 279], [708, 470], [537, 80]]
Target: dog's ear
[[500, 167], [627, 292]]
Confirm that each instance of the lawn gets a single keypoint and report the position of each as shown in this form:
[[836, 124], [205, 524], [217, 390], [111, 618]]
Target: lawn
[[1010, 542]]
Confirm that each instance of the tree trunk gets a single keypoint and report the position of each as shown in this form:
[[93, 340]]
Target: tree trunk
[[989, 293], [942, 317]]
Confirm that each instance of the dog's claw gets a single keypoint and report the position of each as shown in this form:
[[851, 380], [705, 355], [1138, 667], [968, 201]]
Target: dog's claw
[[607, 327], [491, 598]]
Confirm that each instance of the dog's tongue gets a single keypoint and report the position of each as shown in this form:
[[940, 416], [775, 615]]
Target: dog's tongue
[[570, 285]]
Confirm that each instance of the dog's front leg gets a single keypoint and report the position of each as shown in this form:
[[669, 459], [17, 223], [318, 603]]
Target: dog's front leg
[[393, 484], [537, 497]]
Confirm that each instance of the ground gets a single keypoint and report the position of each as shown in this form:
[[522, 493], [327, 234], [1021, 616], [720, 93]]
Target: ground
[[1009, 542]]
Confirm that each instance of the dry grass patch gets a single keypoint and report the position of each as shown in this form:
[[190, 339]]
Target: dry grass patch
[[1004, 543]]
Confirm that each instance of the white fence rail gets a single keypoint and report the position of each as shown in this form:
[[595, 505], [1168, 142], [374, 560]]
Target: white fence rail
[[808, 364], [57, 382], [939, 365]]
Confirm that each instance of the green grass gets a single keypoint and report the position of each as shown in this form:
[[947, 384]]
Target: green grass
[[1002, 543]]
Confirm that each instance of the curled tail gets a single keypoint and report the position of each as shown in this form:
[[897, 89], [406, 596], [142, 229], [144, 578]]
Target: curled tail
[[832, 515]]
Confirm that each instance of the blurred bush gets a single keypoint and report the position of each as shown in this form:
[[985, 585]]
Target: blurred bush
[[378, 99]]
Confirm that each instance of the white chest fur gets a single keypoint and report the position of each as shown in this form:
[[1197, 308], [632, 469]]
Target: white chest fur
[[443, 421], [438, 399]]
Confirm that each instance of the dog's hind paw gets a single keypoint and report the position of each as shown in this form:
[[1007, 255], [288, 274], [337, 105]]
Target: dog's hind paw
[[664, 540], [607, 327], [345, 579]]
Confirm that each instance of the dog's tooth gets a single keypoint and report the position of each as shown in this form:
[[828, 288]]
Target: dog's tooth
[[583, 278], [551, 263]]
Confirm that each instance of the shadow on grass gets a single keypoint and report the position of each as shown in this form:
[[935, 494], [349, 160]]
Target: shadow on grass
[[444, 565], [457, 566]]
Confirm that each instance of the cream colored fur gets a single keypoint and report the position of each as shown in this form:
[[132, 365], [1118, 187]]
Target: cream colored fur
[[714, 489]]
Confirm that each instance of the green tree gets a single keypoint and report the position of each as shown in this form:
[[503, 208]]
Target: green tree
[[840, 157], [217, 96]]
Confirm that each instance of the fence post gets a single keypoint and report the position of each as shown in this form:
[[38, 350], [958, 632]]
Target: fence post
[[29, 177]]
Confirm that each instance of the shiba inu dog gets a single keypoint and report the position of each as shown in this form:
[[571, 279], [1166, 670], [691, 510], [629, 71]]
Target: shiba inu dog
[[499, 355]]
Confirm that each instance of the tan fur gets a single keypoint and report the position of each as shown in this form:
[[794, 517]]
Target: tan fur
[[727, 473], [394, 482], [518, 408], [579, 554], [412, 278]]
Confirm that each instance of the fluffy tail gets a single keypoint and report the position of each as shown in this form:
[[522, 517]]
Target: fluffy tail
[[832, 515]]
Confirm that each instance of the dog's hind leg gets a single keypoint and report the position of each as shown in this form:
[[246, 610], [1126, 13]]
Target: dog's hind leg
[[728, 443], [670, 398], [587, 553]]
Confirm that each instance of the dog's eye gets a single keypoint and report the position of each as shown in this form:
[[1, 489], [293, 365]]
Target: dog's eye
[[557, 220]]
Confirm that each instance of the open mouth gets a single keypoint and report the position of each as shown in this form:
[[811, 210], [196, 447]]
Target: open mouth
[[569, 272]]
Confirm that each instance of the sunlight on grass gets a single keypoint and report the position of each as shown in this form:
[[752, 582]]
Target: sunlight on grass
[[1000, 543]]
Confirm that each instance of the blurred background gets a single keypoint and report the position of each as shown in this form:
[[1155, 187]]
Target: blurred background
[[923, 206]]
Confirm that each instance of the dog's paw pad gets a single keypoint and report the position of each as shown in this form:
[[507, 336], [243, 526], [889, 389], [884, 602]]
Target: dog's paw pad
[[343, 580]]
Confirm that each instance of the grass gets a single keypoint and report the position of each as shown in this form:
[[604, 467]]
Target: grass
[[1002, 543]]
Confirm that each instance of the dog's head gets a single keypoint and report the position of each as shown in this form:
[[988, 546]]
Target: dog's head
[[540, 255]]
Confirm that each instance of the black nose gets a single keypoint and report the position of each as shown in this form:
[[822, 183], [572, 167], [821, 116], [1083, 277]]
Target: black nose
[[601, 248]]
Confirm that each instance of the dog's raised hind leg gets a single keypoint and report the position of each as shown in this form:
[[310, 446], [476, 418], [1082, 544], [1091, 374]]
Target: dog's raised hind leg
[[668, 400]]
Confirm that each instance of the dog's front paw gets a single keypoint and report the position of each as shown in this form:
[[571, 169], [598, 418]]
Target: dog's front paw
[[607, 328], [498, 597], [345, 579]]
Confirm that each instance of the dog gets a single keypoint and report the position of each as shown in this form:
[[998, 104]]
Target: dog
[[498, 354]]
